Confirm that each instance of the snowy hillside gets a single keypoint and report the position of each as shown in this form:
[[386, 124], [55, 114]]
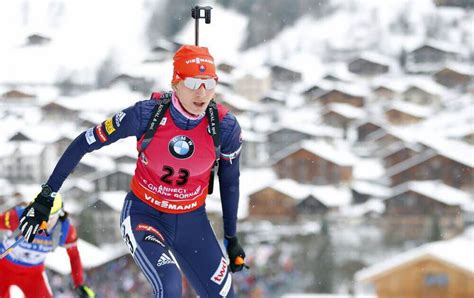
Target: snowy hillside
[[85, 33]]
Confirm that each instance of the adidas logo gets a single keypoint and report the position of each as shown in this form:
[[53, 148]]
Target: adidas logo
[[164, 260], [31, 212]]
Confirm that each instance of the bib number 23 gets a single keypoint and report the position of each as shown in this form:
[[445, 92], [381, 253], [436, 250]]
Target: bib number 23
[[169, 178]]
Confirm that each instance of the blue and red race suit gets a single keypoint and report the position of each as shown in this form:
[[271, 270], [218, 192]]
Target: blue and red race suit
[[24, 266], [163, 221]]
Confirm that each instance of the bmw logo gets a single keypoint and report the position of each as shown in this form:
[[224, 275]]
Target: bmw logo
[[181, 147]]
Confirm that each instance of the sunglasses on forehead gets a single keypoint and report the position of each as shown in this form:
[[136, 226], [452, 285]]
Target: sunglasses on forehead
[[195, 83]]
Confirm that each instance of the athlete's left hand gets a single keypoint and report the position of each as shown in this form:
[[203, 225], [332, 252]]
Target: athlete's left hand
[[84, 291], [236, 253]]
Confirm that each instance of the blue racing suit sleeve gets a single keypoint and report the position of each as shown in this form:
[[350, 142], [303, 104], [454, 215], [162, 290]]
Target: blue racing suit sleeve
[[229, 172], [130, 122]]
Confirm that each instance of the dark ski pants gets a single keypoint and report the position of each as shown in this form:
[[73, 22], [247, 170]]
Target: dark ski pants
[[164, 245]]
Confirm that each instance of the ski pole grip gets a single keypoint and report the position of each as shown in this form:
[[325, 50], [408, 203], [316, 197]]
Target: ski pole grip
[[239, 261], [44, 225]]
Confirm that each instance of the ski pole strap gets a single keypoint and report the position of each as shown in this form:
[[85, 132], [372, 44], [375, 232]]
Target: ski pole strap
[[214, 131], [154, 122]]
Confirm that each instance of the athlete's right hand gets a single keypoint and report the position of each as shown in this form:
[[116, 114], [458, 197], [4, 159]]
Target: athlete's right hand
[[35, 216]]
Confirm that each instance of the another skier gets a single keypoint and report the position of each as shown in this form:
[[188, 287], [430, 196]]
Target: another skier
[[24, 265]]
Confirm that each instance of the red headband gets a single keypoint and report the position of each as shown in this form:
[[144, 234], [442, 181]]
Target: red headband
[[191, 61]]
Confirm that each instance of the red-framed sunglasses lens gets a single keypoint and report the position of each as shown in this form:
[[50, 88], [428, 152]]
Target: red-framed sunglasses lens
[[195, 83]]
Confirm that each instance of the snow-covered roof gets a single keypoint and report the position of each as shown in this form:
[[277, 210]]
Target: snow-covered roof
[[80, 183], [370, 188], [332, 196], [456, 252], [24, 149], [252, 136], [410, 108], [113, 199], [99, 162], [376, 58], [277, 95], [337, 155], [453, 149], [405, 134], [123, 147], [356, 90], [240, 102], [368, 169], [107, 101], [348, 111], [310, 129], [290, 188], [260, 73], [436, 190], [443, 46], [91, 256], [49, 133], [92, 116], [427, 85], [359, 210], [398, 146], [465, 69], [451, 120], [388, 83], [328, 195]]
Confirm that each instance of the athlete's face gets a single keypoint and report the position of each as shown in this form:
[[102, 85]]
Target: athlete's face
[[194, 101]]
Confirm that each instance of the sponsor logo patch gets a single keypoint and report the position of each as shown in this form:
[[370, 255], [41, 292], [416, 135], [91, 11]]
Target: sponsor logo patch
[[90, 138], [164, 260], [220, 273], [100, 133], [152, 238], [163, 120], [145, 227], [118, 118], [181, 147], [109, 126]]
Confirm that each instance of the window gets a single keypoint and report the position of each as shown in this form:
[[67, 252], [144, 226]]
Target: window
[[436, 280]]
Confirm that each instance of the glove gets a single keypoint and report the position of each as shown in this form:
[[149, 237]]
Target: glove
[[235, 252], [84, 291], [35, 217]]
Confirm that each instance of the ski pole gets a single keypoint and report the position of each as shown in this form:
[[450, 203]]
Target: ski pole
[[43, 228], [196, 14], [10, 249]]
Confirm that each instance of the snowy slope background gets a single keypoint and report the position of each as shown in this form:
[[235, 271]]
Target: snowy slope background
[[85, 33]]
